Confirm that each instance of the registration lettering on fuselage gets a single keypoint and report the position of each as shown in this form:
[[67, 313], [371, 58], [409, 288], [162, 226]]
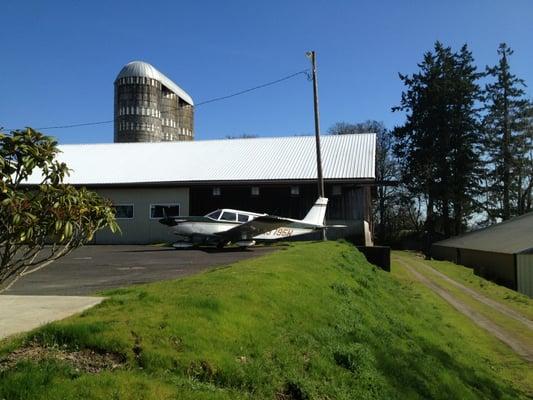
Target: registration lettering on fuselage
[[280, 232]]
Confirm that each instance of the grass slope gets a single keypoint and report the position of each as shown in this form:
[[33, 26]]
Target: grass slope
[[519, 302], [313, 321], [493, 354], [514, 328]]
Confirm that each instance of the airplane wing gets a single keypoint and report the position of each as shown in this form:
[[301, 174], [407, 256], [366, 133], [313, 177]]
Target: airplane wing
[[255, 227]]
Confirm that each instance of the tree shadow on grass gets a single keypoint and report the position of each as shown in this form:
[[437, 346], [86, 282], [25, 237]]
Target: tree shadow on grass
[[423, 369]]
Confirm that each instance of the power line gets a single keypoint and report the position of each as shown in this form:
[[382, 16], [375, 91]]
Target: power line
[[305, 71], [76, 125], [302, 72]]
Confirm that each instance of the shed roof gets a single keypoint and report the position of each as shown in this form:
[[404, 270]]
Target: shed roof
[[345, 157], [510, 237], [141, 68]]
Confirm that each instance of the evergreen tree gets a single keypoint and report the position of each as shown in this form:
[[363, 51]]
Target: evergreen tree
[[525, 164], [507, 142], [464, 159], [438, 143]]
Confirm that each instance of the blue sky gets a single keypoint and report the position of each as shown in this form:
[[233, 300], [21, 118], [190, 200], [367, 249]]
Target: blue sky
[[59, 58]]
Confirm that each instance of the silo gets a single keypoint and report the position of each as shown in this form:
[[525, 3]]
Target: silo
[[149, 107]]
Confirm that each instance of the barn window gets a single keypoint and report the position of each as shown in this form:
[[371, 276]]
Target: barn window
[[164, 210], [336, 190], [123, 211], [216, 191], [255, 191], [295, 190]]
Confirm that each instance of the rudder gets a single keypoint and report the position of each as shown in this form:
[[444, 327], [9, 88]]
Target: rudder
[[317, 213]]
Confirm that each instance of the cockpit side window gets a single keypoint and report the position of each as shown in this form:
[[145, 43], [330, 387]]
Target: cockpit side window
[[228, 216], [214, 214], [242, 218]]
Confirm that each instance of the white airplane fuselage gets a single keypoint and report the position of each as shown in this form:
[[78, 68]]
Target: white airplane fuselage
[[243, 228], [212, 228]]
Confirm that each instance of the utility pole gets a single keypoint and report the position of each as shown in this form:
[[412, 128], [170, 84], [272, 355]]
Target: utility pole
[[312, 55]]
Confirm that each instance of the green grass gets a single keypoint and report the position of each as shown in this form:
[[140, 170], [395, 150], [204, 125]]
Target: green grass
[[464, 275], [311, 321], [495, 355], [511, 325]]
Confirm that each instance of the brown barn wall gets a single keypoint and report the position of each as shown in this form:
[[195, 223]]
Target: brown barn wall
[[349, 208]]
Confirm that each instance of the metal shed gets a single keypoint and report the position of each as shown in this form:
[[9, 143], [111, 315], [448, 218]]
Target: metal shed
[[502, 252]]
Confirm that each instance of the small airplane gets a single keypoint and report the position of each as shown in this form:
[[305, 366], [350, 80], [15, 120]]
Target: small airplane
[[242, 228]]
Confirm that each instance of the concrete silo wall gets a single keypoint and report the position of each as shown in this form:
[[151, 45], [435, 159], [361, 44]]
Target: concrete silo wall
[[148, 111], [138, 110]]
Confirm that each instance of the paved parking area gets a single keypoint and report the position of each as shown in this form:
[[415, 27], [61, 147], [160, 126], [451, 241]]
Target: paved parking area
[[93, 268]]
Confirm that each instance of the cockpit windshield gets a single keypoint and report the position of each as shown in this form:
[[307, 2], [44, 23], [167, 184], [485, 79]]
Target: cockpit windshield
[[214, 215]]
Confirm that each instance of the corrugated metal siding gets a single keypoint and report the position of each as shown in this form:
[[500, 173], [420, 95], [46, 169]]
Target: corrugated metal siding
[[524, 273], [237, 160]]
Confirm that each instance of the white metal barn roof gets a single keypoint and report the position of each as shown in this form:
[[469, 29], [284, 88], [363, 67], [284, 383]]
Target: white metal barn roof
[[141, 68], [230, 160]]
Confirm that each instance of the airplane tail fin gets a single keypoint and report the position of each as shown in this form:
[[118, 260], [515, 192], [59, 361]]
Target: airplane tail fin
[[317, 213]]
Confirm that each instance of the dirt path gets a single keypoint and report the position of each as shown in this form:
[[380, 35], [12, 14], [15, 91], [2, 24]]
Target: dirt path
[[479, 297], [520, 348]]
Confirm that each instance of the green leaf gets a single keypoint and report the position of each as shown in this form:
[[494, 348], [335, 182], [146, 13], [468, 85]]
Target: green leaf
[[68, 229]]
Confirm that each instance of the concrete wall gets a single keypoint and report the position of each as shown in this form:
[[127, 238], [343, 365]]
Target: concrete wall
[[137, 110], [141, 229]]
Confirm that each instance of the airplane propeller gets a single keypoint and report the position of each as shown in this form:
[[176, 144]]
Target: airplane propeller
[[166, 220]]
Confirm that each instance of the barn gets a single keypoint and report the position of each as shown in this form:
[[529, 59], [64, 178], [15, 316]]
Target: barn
[[274, 175], [502, 252]]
